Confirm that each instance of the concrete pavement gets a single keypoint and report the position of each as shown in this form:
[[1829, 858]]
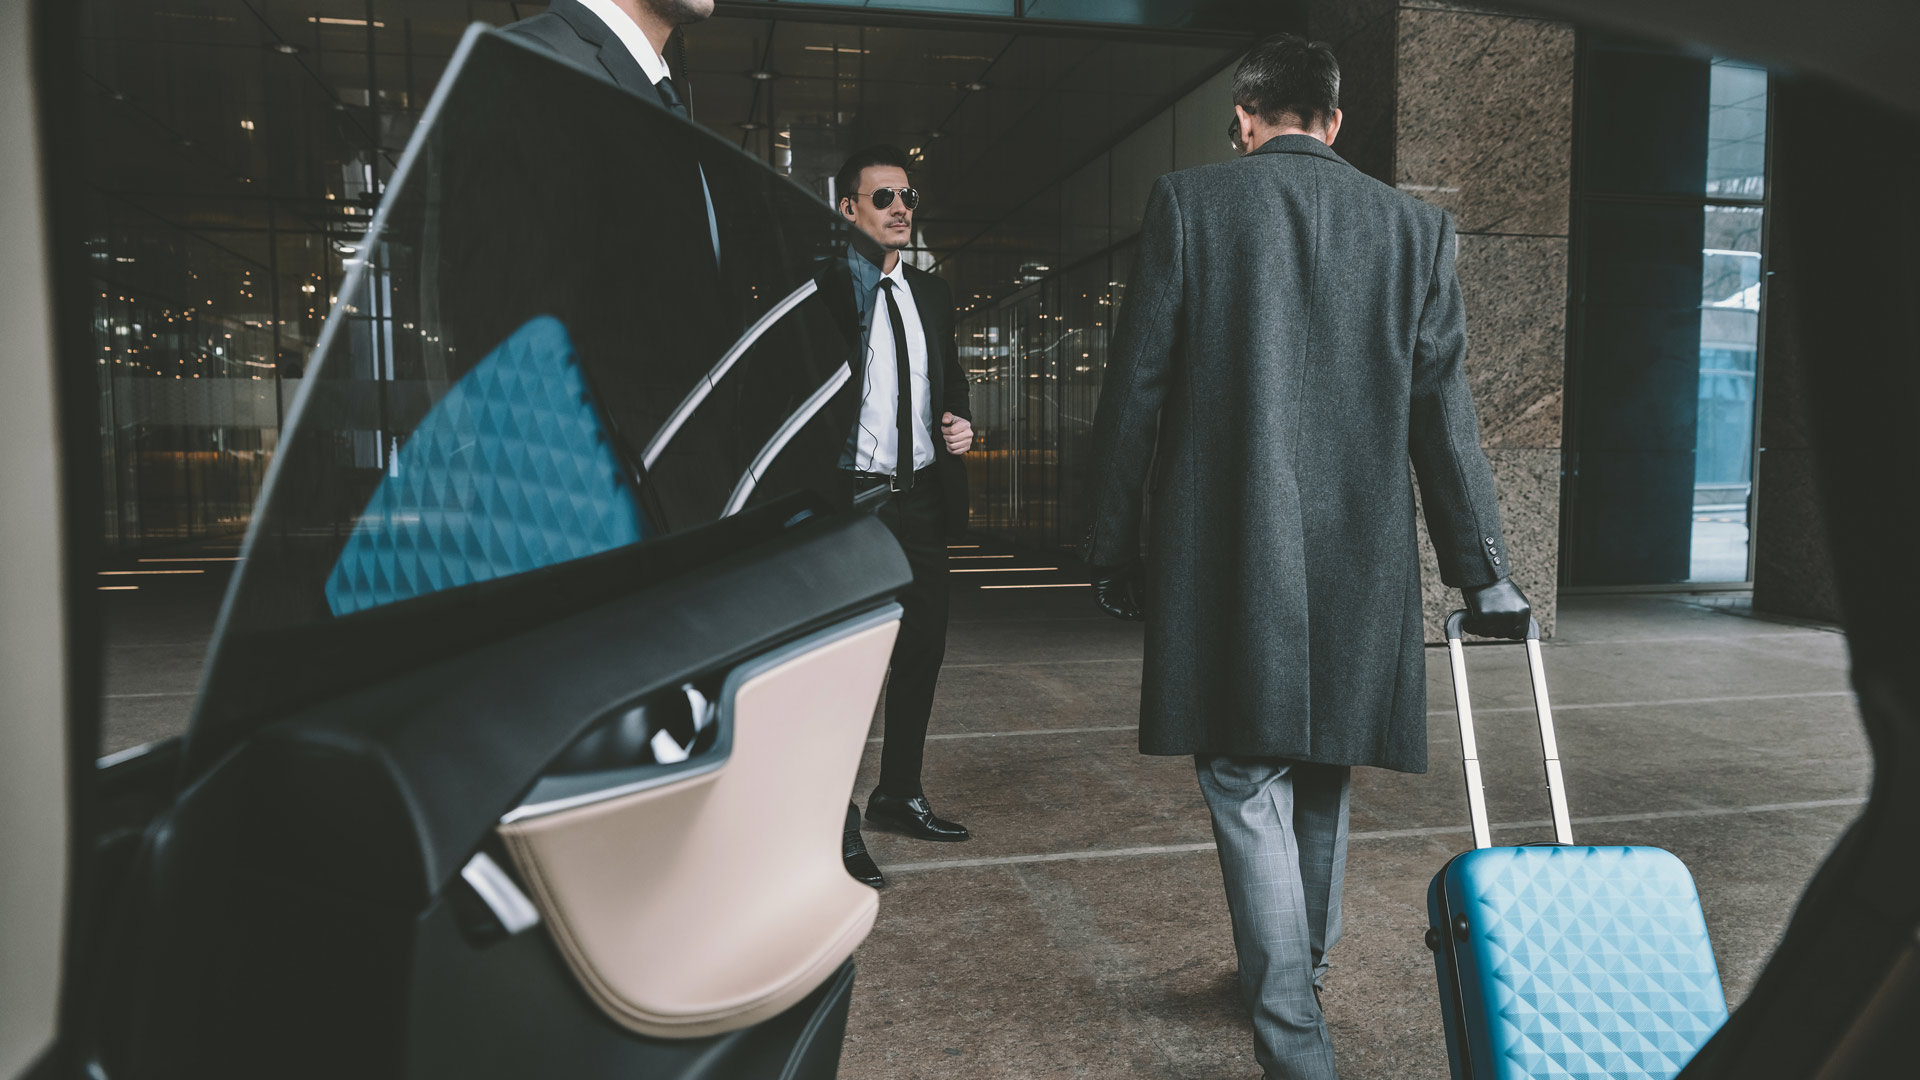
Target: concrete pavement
[[1083, 932]]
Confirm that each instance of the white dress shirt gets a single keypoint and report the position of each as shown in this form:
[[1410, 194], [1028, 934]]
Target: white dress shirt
[[874, 446], [629, 34]]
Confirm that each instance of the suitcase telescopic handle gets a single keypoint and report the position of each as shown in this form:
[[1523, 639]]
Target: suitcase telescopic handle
[[1470, 749]]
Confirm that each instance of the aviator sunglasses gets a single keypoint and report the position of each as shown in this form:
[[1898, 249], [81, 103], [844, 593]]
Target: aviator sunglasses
[[883, 197]]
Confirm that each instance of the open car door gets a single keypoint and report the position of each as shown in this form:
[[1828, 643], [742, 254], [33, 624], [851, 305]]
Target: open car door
[[529, 723]]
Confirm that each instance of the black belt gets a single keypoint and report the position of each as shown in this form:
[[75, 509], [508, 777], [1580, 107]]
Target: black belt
[[889, 479]]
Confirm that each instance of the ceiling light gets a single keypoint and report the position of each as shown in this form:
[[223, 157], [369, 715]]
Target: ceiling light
[[246, 125], [976, 86], [750, 125], [835, 49], [760, 76], [286, 47], [936, 134], [324, 21]]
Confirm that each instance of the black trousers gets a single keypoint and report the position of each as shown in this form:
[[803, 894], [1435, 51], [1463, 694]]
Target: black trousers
[[915, 518]]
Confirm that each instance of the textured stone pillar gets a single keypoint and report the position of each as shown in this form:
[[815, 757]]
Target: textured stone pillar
[[1471, 108]]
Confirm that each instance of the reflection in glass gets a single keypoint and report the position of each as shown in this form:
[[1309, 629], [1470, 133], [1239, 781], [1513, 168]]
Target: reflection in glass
[[1736, 130], [1729, 370], [511, 471], [537, 356]]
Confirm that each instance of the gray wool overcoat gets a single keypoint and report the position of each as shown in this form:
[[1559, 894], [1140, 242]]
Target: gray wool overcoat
[[1294, 333]]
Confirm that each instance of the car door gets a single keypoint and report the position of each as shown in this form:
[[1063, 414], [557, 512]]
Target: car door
[[529, 722]]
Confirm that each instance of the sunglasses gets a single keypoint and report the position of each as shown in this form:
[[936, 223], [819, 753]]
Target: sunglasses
[[883, 197]]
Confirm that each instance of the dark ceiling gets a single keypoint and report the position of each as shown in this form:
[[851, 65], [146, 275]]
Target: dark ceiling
[[995, 114]]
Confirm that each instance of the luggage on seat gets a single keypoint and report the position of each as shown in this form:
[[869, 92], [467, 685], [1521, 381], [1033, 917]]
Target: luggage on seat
[[1562, 961]]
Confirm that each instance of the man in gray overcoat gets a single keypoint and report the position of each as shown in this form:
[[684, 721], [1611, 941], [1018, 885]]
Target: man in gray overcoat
[[1292, 335]]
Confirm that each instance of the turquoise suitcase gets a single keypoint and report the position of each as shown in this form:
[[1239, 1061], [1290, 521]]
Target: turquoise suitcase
[[1560, 961]]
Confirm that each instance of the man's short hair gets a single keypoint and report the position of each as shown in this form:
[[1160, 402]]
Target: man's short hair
[[1288, 80], [847, 180]]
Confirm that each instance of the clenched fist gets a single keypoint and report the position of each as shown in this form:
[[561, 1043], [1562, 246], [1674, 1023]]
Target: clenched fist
[[958, 432]]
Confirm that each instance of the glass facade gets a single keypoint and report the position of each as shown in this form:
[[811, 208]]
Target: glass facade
[[236, 155], [237, 152], [1039, 315], [1669, 213]]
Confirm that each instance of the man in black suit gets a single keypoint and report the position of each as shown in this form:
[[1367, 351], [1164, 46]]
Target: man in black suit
[[902, 450]]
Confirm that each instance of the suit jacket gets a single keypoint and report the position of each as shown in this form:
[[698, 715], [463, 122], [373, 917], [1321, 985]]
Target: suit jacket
[[1296, 331], [947, 383], [574, 34]]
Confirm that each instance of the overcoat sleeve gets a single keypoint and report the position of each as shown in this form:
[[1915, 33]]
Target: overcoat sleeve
[[1139, 375], [1456, 484]]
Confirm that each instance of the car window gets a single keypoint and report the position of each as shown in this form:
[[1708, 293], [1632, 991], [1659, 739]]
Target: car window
[[545, 351]]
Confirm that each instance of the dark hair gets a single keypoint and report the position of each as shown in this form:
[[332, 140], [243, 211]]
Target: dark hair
[[1288, 79], [847, 180]]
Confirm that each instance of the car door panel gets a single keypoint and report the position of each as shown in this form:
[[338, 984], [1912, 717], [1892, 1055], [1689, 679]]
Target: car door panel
[[546, 1025], [279, 900], [532, 712], [714, 902]]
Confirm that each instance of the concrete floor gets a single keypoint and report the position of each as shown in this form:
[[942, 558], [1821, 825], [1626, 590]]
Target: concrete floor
[[1083, 931]]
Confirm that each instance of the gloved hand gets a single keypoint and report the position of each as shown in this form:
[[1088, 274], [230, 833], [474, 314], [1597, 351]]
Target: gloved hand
[[1121, 591], [1497, 610]]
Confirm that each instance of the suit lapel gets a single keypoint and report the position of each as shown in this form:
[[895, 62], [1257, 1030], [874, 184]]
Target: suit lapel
[[614, 55], [626, 71], [932, 319]]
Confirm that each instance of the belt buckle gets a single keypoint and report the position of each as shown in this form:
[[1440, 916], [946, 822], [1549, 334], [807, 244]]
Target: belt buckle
[[893, 482]]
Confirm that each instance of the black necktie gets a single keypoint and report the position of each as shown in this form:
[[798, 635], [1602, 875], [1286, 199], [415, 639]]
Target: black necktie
[[903, 378], [670, 97]]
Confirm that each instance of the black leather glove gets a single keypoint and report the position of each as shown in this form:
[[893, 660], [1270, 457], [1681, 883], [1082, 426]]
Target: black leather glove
[[1121, 591], [1497, 610]]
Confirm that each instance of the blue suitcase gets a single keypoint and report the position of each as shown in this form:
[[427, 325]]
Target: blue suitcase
[[1562, 961]]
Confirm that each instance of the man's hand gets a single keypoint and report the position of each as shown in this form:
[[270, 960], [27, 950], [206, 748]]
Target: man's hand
[[1497, 610], [1120, 591], [958, 431]]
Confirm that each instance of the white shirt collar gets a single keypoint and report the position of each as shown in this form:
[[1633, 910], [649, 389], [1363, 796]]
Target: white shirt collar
[[629, 34], [899, 274]]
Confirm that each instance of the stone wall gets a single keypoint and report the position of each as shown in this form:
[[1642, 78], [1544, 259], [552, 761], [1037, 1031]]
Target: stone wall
[[1471, 108]]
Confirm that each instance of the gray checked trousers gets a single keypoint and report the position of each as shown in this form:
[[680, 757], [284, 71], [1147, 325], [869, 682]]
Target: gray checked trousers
[[1281, 828]]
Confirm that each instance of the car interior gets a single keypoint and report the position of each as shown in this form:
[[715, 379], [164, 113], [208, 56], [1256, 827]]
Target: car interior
[[543, 606]]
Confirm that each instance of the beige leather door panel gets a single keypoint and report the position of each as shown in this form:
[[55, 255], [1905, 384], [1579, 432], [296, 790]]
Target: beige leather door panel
[[710, 903]]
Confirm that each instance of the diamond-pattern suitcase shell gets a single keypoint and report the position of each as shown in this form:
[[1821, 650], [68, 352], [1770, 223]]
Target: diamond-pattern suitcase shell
[[1587, 963], [1563, 962], [510, 471]]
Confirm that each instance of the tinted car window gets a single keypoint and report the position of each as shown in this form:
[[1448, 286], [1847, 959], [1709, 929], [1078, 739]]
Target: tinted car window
[[545, 351]]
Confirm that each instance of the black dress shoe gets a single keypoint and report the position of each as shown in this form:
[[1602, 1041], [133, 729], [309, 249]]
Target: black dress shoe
[[912, 817], [853, 852]]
